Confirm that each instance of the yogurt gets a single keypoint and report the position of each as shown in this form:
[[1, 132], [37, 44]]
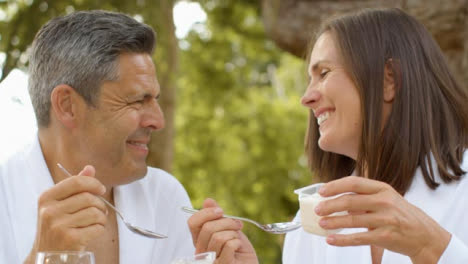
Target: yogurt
[[309, 198]]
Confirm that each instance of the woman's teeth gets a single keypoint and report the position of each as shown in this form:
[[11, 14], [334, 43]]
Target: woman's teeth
[[321, 118]]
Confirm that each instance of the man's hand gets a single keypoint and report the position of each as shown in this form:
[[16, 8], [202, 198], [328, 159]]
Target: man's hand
[[70, 215], [212, 232]]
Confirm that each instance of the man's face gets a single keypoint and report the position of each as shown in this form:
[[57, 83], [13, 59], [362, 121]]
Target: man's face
[[116, 133]]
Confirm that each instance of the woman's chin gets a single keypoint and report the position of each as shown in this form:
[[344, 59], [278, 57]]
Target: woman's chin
[[324, 144], [328, 146]]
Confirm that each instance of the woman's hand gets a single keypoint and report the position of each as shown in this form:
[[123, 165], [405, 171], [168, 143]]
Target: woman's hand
[[212, 232], [392, 222]]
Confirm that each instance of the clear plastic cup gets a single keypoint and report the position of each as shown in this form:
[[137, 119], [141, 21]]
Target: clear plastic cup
[[203, 258], [309, 198], [65, 257]]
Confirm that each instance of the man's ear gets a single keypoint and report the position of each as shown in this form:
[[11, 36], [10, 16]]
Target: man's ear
[[64, 105], [389, 82]]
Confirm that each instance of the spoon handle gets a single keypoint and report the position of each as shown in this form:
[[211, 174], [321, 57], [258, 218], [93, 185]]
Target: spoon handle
[[102, 199], [189, 210], [111, 206], [192, 211]]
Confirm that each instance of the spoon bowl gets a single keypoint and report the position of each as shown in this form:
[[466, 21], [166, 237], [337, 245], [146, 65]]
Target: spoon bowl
[[131, 227], [134, 228], [274, 228]]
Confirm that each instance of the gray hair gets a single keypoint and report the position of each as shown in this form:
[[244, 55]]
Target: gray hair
[[81, 50]]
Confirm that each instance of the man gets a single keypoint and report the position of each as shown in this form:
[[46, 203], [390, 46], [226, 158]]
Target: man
[[95, 95]]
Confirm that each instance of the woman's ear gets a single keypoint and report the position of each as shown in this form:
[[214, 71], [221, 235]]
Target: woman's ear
[[63, 105], [389, 82]]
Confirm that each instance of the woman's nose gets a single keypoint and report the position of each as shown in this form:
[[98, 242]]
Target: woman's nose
[[310, 96]]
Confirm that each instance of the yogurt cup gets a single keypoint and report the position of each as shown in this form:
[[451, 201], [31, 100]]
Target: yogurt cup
[[309, 198], [203, 258]]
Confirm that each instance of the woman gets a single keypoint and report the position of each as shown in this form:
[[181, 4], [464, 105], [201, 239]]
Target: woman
[[385, 108]]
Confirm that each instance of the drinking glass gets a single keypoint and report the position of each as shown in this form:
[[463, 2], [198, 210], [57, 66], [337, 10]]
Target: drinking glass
[[65, 257], [203, 258]]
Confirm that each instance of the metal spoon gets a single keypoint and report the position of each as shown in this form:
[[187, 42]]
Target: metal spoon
[[133, 228], [275, 228]]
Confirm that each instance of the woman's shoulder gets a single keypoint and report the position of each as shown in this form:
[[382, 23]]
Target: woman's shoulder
[[464, 178], [463, 182], [464, 164]]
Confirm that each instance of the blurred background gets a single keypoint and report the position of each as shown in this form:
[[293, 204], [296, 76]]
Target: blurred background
[[232, 73]]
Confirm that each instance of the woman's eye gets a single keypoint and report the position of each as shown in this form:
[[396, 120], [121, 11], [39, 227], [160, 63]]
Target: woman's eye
[[324, 73]]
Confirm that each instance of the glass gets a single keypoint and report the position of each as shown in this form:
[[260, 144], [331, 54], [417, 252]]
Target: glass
[[65, 257], [204, 258], [309, 198]]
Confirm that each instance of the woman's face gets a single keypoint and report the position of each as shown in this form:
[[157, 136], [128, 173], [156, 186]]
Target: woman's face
[[334, 99]]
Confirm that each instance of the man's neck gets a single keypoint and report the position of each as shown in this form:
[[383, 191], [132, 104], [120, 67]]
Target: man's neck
[[56, 150], [51, 146]]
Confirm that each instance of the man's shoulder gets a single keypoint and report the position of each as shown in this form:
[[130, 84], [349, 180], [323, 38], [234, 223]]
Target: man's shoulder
[[158, 172], [16, 158], [161, 188], [13, 161], [162, 182], [160, 176]]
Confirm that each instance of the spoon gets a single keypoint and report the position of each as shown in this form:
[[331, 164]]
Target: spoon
[[275, 228], [131, 227]]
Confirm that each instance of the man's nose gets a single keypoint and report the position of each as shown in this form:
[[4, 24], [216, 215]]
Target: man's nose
[[153, 117]]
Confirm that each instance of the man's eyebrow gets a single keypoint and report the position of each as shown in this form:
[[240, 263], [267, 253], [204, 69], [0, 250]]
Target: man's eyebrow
[[143, 96]]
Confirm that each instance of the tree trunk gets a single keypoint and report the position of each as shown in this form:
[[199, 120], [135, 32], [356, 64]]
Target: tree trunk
[[166, 58], [292, 23]]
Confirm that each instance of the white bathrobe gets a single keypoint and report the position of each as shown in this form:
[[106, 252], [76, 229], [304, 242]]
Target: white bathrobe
[[153, 202], [448, 205]]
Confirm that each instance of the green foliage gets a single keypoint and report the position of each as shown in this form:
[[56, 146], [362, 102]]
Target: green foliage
[[240, 126], [23, 18]]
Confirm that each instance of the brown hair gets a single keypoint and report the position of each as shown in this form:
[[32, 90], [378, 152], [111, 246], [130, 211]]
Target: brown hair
[[429, 116]]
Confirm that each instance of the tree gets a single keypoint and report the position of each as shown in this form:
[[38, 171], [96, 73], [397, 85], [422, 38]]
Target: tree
[[240, 126], [24, 18], [291, 23], [166, 59]]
